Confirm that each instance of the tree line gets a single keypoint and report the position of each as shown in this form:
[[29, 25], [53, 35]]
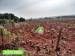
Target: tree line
[[9, 17]]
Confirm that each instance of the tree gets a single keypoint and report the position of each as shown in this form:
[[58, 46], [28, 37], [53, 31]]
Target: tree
[[21, 19], [9, 16]]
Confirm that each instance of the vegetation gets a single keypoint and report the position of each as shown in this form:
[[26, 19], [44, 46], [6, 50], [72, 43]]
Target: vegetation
[[40, 30], [9, 17], [56, 41], [13, 52], [4, 32]]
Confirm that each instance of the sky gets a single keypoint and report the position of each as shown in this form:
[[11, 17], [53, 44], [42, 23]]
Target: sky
[[38, 8]]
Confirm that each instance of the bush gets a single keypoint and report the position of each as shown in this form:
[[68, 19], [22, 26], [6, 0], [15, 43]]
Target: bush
[[39, 29]]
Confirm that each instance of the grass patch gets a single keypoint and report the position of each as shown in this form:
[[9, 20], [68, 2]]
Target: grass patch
[[39, 30], [13, 52]]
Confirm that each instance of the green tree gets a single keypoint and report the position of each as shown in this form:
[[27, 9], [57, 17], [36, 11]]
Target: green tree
[[21, 19]]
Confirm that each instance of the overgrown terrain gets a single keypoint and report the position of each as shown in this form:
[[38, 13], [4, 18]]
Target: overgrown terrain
[[57, 39]]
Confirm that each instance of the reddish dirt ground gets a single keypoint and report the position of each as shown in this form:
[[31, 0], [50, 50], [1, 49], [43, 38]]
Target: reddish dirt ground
[[44, 44]]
